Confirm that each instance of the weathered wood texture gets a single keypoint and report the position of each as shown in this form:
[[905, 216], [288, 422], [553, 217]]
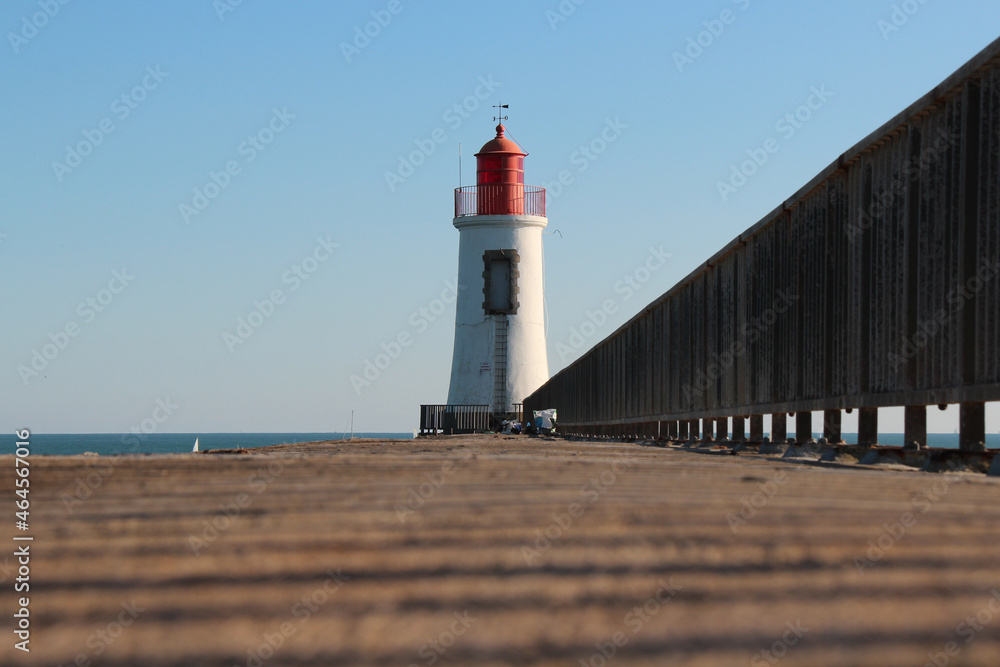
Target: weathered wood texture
[[876, 285], [803, 556]]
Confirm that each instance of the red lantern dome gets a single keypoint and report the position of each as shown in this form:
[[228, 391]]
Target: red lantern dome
[[500, 188], [500, 176]]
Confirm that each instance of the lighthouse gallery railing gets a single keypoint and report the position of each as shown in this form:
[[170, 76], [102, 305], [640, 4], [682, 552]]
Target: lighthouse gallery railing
[[499, 199]]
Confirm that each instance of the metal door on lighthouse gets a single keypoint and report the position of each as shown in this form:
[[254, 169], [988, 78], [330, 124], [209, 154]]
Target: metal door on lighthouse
[[500, 300], [500, 284]]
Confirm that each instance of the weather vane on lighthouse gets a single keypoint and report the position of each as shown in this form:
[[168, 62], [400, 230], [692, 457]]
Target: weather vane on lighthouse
[[501, 107]]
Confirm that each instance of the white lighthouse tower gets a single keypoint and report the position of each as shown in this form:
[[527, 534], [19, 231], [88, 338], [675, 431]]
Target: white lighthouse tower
[[500, 355]]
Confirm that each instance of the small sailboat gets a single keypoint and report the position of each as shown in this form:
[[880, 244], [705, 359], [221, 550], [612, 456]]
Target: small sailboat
[[195, 449], [344, 434]]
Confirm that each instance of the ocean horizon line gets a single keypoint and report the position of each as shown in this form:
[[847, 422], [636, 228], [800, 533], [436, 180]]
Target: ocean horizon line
[[34, 433], [118, 444]]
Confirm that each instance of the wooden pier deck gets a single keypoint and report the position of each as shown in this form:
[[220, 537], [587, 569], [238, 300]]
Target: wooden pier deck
[[487, 550]]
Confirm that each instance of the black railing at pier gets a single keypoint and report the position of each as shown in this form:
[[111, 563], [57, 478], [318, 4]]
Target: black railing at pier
[[462, 419]]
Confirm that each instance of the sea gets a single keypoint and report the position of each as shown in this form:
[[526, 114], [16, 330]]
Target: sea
[[111, 444]]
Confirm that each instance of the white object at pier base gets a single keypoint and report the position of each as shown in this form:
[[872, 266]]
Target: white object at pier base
[[195, 445], [544, 418]]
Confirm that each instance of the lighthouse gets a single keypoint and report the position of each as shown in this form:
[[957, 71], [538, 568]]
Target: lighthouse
[[499, 356]]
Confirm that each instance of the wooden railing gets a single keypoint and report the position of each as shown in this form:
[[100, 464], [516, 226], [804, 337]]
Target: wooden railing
[[876, 285]]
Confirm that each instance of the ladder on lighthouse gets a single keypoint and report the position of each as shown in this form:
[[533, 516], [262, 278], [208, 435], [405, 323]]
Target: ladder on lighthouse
[[500, 364]]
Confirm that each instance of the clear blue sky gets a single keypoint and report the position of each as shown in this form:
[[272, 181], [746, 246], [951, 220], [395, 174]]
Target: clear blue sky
[[308, 131]]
